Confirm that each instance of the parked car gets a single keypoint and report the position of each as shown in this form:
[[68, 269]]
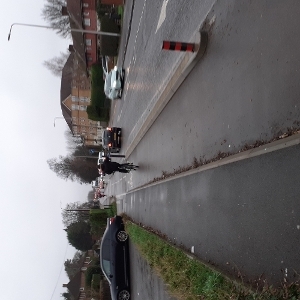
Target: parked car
[[113, 84], [114, 258], [111, 139], [101, 157]]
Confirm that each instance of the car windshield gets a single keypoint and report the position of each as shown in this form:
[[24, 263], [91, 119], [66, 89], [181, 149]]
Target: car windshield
[[106, 137], [107, 84]]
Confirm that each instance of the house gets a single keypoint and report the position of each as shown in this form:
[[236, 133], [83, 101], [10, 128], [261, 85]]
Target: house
[[75, 96], [82, 15], [76, 286]]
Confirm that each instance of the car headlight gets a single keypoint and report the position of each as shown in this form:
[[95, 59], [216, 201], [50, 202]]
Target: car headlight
[[114, 84]]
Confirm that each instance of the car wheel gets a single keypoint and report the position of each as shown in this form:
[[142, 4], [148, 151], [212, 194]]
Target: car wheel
[[124, 295], [122, 236], [120, 94]]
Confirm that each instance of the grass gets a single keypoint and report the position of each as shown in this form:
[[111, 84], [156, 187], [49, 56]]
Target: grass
[[189, 279]]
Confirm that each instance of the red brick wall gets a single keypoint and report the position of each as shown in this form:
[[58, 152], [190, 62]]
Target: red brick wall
[[89, 12]]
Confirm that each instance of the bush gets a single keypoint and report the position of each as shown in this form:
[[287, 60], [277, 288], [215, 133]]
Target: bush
[[99, 109], [98, 220], [109, 44], [90, 273], [95, 284]]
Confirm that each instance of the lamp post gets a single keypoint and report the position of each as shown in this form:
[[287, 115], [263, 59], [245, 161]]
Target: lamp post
[[58, 118], [72, 29]]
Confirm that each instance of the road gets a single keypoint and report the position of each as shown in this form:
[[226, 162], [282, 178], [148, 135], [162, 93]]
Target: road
[[242, 217], [244, 89]]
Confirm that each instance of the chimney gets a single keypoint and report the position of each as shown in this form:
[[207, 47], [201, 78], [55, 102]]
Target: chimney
[[64, 11], [65, 285]]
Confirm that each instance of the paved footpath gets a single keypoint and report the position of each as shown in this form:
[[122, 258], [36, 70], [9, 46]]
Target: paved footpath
[[242, 217]]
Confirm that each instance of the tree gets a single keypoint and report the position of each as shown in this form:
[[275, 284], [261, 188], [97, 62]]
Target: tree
[[74, 168], [66, 296], [57, 63], [79, 236], [62, 167], [72, 141], [70, 214], [72, 266], [52, 13]]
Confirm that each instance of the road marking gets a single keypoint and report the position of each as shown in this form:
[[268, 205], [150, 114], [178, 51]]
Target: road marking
[[162, 15]]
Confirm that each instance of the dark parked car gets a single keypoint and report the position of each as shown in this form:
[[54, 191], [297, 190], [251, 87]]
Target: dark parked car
[[112, 139], [114, 258]]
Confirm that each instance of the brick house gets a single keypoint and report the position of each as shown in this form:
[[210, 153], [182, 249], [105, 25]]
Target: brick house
[[76, 286], [75, 96], [82, 15]]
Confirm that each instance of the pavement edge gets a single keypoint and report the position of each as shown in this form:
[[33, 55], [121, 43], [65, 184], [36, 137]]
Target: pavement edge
[[185, 66]]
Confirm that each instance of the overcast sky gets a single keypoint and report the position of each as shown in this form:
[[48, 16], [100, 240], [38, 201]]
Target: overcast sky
[[33, 243]]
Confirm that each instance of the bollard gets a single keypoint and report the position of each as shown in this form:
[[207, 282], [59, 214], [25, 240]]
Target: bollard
[[178, 46]]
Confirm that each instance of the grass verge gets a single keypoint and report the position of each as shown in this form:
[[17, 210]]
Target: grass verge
[[189, 279]]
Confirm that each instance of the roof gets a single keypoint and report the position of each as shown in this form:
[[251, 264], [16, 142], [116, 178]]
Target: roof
[[74, 285], [66, 88], [75, 16]]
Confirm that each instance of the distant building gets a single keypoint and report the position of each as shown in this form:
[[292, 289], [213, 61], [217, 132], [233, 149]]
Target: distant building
[[76, 286]]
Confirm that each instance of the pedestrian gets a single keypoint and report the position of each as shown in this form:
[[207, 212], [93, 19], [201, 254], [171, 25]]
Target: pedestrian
[[109, 167]]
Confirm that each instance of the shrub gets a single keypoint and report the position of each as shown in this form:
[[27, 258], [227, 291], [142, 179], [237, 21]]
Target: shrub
[[90, 272], [109, 44], [95, 284], [99, 108], [98, 219]]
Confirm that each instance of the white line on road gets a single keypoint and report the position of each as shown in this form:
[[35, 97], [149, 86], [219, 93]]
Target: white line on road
[[162, 15]]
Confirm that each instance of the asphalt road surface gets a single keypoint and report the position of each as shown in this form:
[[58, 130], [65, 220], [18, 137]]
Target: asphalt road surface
[[244, 89], [242, 217]]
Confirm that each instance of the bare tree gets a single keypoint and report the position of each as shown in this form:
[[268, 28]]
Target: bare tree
[[57, 63], [73, 213], [52, 13], [72, 266], [74, 168]]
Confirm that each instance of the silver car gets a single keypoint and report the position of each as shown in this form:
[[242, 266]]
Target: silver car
[[113, 84]]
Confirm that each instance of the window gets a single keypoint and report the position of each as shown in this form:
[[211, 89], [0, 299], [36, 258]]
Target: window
[[88, 42], [83, 107], [86, 13], [84, 99], [74, 98], [75, 107], [85, 4], [87, 22], [83, 268], [81, 289]]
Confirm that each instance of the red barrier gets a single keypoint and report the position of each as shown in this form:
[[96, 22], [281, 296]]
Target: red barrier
[[178, 46]]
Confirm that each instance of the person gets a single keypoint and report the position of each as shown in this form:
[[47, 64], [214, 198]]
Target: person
[[109, 167]]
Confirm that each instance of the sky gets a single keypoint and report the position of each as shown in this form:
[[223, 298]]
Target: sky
[[33, 243]]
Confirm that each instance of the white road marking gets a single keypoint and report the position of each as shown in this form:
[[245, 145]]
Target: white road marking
[[162, 15]]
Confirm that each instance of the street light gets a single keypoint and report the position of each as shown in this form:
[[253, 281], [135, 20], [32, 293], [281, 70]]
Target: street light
[[59, 118], [72, 29]]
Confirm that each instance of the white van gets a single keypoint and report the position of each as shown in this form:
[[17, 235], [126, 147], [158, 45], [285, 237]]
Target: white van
[[101, 158]]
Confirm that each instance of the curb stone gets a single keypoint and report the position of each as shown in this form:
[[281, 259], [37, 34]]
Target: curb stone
[[183, 67]]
